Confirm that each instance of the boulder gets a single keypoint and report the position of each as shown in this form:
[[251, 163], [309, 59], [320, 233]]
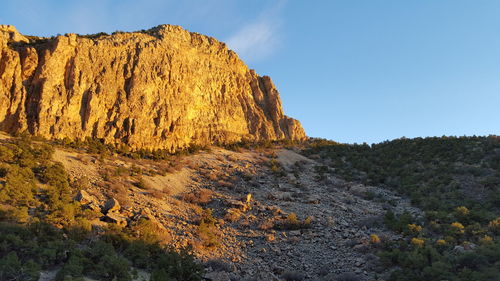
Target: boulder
[[115, 218], [93, 206], [112, 205], [281, 195], [84, 198], [459, 249], [88, 201]]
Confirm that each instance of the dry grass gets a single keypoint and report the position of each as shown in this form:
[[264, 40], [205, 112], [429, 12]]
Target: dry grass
[[213, 176], [267, 224], [120, 192], [141, 183], [232, 158], [117, 187], [233, 215], [202, 196], [162, 168], [167, 190], [171, 166], [226, 184], [158, 194], [176, 163], [121, 171], [192, 165], [82, 183], [292, 222]]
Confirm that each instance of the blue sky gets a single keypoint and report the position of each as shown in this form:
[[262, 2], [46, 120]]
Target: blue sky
[[350, 70]]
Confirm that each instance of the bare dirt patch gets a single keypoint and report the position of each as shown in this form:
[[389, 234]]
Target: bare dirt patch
[[78, 165], [288, 157]]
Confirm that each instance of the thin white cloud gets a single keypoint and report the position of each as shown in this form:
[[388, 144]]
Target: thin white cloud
[[254, 29], [259, 39], [255, 41]]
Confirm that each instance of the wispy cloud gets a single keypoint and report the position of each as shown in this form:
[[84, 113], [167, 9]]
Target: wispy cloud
[[253, 30], [259, 39], [255, 41]]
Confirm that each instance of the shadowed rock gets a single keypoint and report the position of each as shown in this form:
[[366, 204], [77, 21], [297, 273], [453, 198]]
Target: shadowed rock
[[112, 205]]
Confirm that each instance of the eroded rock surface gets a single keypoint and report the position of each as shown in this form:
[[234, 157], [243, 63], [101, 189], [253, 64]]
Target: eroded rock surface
[[164, 88]]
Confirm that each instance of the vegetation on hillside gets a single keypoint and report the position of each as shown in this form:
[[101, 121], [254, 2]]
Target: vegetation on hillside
[[42, 227], [98, 146], [455, 180]]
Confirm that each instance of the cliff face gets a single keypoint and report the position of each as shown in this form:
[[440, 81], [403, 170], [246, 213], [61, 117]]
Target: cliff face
[[162, 88]]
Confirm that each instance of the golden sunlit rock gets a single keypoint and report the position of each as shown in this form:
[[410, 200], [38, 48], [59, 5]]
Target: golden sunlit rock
[[164, 88]]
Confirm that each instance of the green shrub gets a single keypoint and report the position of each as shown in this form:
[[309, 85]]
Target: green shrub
[[398, 223], [139, 253], [19, 187], [276, 168], [11, 268], [113, 267], [6, 154], [452, 179], [74, 267], [207, 230], [57, 232], [160, 275]]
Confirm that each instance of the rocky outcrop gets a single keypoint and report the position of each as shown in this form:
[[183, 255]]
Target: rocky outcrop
[[88, 201], [164, 88], [84, 198]]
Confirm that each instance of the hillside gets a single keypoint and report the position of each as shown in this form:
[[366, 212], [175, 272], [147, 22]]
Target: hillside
[[162, 88], [454, 180], [257, 212], [254, 212]]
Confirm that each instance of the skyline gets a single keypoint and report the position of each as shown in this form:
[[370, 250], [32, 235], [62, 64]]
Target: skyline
[[363, 71]]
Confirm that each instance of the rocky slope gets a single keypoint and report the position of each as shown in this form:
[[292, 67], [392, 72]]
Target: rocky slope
[[250, 243], [164, 88]]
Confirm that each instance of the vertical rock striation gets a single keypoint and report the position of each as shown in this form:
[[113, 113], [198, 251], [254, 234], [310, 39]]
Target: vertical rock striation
[[164, 88]]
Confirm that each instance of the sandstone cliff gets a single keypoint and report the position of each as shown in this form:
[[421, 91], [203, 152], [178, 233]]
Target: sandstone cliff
[[161, 88]]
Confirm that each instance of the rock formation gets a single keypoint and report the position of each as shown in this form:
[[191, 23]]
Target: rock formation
[[164, 88]]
